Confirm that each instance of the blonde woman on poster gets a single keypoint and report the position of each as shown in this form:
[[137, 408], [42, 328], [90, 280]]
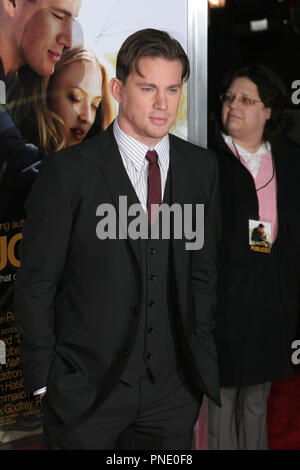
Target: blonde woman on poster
[[59, 111]]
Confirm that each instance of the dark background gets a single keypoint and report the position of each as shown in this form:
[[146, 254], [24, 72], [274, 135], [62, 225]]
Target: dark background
[[232, 44]]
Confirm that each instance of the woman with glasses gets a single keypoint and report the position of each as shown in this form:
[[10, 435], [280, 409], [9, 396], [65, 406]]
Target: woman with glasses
[[258, 290]]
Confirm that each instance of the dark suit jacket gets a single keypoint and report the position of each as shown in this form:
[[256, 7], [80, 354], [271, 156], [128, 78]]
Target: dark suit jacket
[[258, 294], [77, 298], [15, 156]]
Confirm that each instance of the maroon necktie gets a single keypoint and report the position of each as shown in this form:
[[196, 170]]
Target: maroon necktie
[[154, 184]]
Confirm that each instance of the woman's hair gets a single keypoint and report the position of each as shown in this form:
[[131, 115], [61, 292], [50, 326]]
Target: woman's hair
[[273, 93], [28, 103]]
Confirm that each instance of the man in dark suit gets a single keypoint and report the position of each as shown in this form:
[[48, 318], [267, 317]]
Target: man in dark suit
[[118, 328]]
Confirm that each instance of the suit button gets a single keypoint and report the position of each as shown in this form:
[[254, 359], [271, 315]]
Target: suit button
[[152, 251], [148, 356], [125, 352], [150, 330], [286, 227], [136, 309], [152, 304], [153, 277]]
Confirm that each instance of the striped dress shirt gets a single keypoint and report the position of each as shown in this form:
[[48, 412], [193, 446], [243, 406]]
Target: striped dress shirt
[[133, 155]]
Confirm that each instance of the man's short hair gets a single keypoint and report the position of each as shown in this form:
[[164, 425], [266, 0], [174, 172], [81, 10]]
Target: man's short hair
[[149, 43]]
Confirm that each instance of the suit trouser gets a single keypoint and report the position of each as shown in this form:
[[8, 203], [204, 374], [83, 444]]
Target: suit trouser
[[241, 423], [146, 415]]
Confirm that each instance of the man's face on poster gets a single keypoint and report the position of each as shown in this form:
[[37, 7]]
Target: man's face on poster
[[45, 30]]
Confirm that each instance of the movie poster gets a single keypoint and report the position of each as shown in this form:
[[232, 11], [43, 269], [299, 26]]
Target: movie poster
[[114, 22], [101, 26]]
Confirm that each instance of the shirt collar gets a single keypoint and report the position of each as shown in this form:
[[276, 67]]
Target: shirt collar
[[247, 156], [136, 151]]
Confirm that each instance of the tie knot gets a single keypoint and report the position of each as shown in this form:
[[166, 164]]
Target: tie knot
[[152, 156]]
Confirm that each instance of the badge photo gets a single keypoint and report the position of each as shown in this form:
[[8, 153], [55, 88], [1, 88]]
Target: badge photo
[[260, 236]]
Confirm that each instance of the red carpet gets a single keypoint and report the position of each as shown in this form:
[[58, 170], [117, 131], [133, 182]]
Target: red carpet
[[284, 413], [28, 443]]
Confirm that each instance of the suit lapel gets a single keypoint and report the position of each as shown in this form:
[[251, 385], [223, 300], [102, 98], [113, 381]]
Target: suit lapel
[[119, 184], [179, 195]]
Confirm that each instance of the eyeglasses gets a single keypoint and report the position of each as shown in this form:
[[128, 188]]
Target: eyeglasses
[[244, 100]]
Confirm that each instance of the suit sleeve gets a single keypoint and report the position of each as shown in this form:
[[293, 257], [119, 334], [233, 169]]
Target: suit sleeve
[[204, 284], [42, 255], [15, 153]]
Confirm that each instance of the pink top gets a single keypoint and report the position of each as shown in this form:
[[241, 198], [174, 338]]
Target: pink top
[[267, 196]]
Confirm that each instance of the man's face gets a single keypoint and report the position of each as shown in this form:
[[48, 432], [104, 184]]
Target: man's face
[[148, 103], [45, 28]]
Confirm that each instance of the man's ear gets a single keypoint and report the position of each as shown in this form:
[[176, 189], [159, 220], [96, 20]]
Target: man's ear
[[10, 7], [116, 87]]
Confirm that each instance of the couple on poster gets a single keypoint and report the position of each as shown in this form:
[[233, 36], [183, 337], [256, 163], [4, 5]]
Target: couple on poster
[[117, 331], [59, 96]]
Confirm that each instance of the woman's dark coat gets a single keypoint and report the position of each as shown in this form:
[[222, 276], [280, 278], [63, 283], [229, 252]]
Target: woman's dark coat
[[258, 297]]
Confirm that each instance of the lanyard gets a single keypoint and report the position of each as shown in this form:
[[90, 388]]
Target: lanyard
[[273, 169]]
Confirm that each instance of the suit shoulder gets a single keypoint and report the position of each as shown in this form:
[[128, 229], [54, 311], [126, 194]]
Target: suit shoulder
[[192, 152], [77, 157], [288, 148]]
